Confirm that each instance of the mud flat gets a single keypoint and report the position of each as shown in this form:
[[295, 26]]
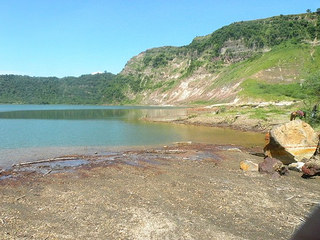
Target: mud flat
[[182, 191]]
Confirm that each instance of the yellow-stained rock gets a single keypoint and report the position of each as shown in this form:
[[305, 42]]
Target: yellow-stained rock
[[291, 142], [247, 165]]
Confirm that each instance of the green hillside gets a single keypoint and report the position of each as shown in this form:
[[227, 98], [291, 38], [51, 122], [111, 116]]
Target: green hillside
[[242, 57], [276, 58], [86, 89]]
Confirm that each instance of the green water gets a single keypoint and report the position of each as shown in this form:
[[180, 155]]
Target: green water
[[50, 126]]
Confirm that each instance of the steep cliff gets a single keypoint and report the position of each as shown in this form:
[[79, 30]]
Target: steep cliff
[[219, 67]]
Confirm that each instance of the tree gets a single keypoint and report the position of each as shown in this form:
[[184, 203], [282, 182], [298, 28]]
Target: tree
[[308, 10]]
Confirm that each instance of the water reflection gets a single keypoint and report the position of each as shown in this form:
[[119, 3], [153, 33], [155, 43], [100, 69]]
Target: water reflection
[[89, 114], [25, 127]]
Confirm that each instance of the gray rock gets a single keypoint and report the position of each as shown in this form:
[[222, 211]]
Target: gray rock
[[297, 166]]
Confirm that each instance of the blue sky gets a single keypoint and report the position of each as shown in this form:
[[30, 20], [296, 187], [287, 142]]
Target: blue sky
[[74, 37]]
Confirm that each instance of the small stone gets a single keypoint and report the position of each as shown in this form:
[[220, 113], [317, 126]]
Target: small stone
[[234, 149], [297, 166], [272, 165], [312, 166], [248, 165]]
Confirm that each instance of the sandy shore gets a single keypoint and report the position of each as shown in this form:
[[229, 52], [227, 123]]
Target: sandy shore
[[183, 191]]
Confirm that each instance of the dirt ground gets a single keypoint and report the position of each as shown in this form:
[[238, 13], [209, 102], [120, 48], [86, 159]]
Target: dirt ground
[[183, 191]]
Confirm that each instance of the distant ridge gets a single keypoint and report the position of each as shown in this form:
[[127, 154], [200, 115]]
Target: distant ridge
[[265, 59]]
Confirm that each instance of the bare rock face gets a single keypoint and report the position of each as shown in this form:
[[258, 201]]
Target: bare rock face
[[291, 142]]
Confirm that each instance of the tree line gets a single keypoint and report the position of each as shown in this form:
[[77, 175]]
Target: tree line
[[105, 88]]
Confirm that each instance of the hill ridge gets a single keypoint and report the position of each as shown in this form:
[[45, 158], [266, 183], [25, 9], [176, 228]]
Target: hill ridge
[[238, 61]]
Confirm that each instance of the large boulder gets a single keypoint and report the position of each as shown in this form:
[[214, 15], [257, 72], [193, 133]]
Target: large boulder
[[291, 142]]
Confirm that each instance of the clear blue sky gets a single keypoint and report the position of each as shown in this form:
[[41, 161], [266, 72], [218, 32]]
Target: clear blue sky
[[74, 37]]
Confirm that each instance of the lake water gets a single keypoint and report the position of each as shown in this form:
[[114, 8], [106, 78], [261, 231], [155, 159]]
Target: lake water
[[36, 131]]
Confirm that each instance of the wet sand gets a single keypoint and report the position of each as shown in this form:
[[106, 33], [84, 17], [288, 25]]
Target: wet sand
[[9, 157], [182, 191]]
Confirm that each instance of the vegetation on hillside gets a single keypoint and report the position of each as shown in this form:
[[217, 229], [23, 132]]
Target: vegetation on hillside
[[312, 86], [256, 35], [269, 92], [86, 89], [260, 33], [233, 54]]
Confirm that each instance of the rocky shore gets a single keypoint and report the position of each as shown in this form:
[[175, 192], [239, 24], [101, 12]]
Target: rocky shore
[[182, 191]]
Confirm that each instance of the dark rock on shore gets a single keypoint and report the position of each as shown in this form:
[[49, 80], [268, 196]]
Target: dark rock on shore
[[312, 166], [273, 166]]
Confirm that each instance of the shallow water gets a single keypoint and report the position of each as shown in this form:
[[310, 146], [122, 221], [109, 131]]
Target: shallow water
[[31, 132]]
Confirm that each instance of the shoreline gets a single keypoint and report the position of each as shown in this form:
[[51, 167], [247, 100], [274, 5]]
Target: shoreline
[[185, 190], [220, 135], [227, 116], [13, 156]]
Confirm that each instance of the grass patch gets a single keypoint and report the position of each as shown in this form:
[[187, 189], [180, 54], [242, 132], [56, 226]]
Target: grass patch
[[285, 55], [169, 85], [312, 64], [203, 102], [265, 113], [266, 91]]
